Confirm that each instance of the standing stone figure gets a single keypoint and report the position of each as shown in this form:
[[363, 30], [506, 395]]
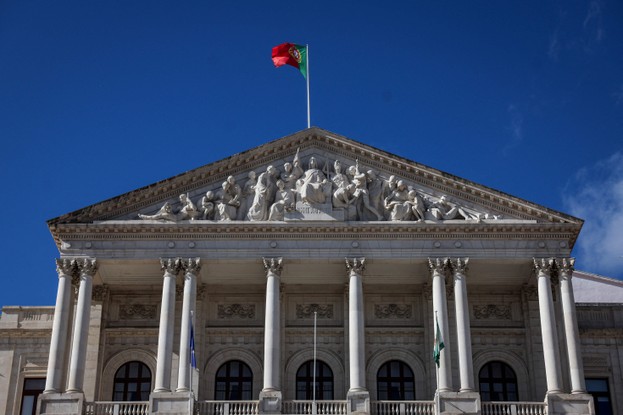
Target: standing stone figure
[[264, 195]]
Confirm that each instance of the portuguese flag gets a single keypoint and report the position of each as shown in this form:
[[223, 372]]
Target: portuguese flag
[[291, 54]]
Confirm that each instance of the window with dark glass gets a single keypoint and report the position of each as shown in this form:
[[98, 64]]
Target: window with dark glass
[[234, 382], [33, 387], [497, 382], [132, 383], [601, 395], [305, 381], [395, 382]]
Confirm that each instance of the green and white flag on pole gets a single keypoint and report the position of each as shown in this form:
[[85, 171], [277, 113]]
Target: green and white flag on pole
[[438, 346]]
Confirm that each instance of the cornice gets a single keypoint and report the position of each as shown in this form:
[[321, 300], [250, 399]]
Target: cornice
[[140, 230]]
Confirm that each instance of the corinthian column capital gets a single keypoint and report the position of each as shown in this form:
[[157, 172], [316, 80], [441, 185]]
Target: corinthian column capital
[[87, 266], [170, 265], [459, 265], [273, 265], [355, 265], [191, 265], [543, 266], [66, 266], [438, 265], [565, 267]]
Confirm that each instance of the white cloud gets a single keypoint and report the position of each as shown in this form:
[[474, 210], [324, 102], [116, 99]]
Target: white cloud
[[595, 194], [515, 128]]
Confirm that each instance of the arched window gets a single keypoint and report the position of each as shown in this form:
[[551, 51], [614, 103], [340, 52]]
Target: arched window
[[234, 382], [497, 382], [305, 381], [132, 382], [395, 382]]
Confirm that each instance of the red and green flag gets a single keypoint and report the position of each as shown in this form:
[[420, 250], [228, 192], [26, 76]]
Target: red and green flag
[[291, 54]]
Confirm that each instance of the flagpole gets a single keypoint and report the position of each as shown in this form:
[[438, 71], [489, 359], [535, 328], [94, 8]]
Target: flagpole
[[314, 381], [307, 70]]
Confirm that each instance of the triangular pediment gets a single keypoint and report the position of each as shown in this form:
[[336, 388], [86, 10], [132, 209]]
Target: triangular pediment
[[325, 177]]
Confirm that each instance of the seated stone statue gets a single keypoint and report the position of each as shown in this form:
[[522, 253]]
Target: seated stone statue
[[418, 207], [206, 206], [397, 203], [228, 200], [313, 186], [284, 202], [165, 213], [188, 211]]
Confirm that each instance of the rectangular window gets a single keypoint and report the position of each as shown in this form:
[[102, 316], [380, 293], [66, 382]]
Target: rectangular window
[[599, 388], [33, 387]]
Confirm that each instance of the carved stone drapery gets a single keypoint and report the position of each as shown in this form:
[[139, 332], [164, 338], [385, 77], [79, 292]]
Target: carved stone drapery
[[393, 311], [236, 311], [137, 311], [306, 311], [492, 311]]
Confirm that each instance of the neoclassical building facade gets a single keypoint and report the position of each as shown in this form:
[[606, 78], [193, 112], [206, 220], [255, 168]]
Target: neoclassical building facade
[[316, 274]]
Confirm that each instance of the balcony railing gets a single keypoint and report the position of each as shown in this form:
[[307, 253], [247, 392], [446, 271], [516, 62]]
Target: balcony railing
[[312, 408], [226, 407], [514, 408], [116, 408], [403, 407]]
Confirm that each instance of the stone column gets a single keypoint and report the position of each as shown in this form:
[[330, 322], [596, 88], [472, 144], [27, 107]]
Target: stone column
[[191, 268], [358, 395], [56, 362], [171, 267], [543, 269], [438, 267], [576, 369], [463, 331], [270, 397], [87, 268]]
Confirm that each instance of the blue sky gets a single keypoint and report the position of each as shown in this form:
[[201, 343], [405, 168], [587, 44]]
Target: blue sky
[[98, 98]]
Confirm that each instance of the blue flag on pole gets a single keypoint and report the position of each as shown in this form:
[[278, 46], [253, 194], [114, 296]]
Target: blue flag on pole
[[193, 358]]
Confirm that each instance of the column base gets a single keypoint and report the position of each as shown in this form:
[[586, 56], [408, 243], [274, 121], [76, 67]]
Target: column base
[[60, 403], [358, 401], [270, 401], [458, 403], [171, 403], [569, 404]]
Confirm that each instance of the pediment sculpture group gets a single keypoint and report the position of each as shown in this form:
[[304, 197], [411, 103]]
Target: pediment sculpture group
[[272, 194]]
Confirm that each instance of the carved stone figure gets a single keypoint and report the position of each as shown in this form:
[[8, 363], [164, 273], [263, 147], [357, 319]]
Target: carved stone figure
[[188, 210], [206, 206], [284, 202], [344, 196], [165, 213], [444, 210], [313, 186], [339, 179], [228, 200], [397, 203], [418, 208], [264, 195], [365, 210], [375, 189], [248, 190]]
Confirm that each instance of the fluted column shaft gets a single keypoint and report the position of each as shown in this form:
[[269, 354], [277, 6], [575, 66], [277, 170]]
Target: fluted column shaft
[[463, 332], [170, 267], [272, 325], [576, 367], [548, 325], [438, 267], [62, 315], [87, 268], [191, 268], [356, 329]]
